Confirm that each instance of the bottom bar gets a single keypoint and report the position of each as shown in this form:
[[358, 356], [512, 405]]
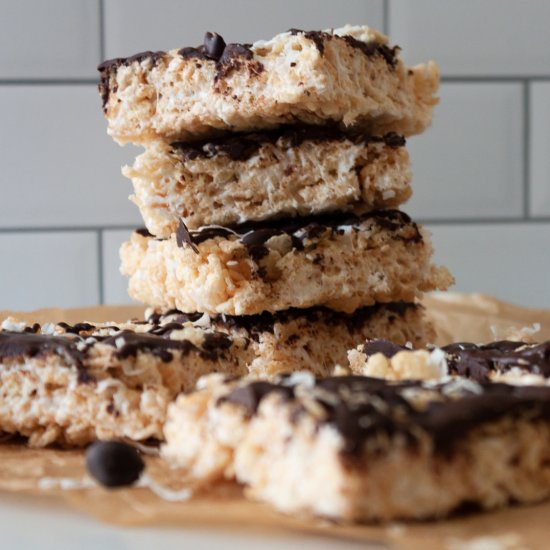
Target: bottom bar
[[314, 339], [364, 449], [75, 384]]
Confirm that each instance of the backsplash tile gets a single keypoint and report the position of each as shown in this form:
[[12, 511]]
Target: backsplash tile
[[509, 261], [540, 149], [133, 25], [114, 284], [464, 169], [53, 39], [474, 37], [48, 269], [59, 165]]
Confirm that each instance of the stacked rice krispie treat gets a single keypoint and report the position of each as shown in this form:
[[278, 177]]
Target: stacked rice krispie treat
[[269, 186]]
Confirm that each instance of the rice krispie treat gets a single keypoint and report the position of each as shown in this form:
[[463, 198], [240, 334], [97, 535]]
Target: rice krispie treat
[[314, 339], [74, 384], [502, 361], [286, 172], [348, 75], [364, 449], [340, 261]]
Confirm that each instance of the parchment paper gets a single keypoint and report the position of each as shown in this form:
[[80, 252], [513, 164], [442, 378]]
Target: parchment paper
[[472, 317]]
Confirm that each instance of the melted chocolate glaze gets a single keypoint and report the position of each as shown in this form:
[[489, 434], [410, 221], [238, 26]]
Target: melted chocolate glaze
[[478, 361], [229, 57], [370, 49], [361, 408], [16, 344], [75, 347], [254, 235], [255, 325], [240, 147]]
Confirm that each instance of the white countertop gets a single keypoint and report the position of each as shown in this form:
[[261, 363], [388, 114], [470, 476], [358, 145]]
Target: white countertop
[[28, 522]]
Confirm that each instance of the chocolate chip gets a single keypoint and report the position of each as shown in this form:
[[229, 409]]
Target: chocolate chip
[[114, 463], [214, 45]]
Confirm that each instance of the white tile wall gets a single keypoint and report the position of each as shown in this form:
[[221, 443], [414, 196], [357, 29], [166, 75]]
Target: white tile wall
[[48, 269], [59, 167], [540, 149], [470, 163], [115, 284], [171, 24], [61, 170], [474, 37], [509, 261], [53, 39]]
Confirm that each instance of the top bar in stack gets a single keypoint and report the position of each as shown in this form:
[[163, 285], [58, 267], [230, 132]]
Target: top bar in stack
[[309, 77]]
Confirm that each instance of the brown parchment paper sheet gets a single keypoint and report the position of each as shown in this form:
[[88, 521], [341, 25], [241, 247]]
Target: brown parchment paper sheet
[[458, 317]]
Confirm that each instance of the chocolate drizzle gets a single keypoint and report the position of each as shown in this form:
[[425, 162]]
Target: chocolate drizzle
[[17, 344], [257, 324], [254, 235], [240, 147], [362, 408], [79, 339], [477, 362]]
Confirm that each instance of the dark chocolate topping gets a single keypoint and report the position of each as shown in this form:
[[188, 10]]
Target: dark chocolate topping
[[143, 232], [76, 329], [243, 146], [250, 395], [183, 237], [129, 343], [478, 361], [16, 344], [387, 348], [80, 338], [317, 37], [370, 49], [265, 322], [28, 344], [254, 235], [229, 57], [374, 48], [110, 66], [114, 463], [362, 408]]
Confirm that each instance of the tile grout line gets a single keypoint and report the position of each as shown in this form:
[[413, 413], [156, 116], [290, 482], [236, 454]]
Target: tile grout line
[[494, 78], [66, 229], [532, 220], [47, 81], [463, 79], [101, 7], [100, 278], [386, 17], [526, 149]]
